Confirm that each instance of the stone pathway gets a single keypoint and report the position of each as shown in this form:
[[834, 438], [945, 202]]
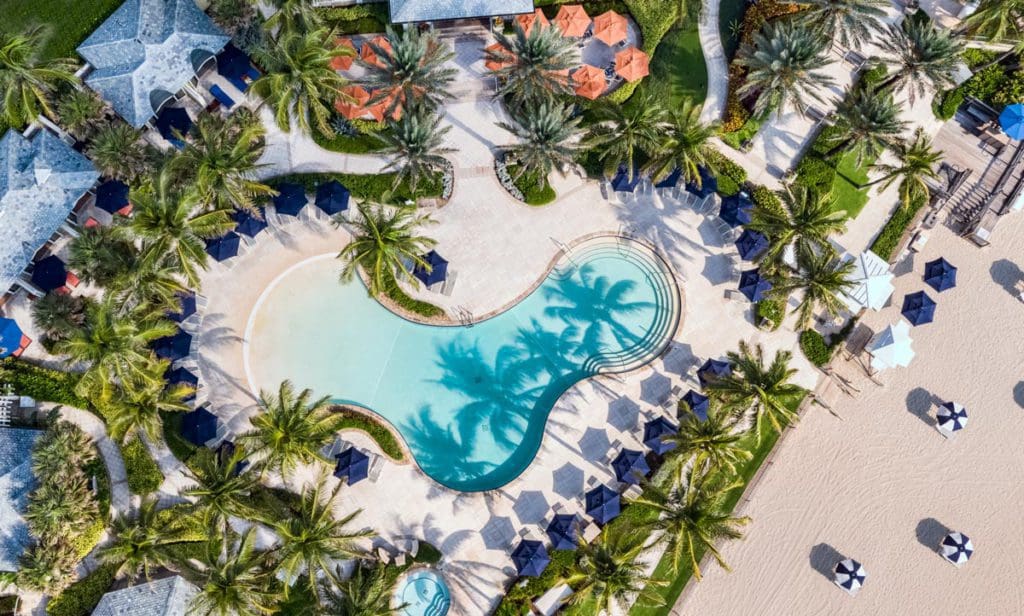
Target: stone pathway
[[714, 61]]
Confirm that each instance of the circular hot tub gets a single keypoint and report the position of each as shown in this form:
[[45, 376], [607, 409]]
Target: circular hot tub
[[422, 592]]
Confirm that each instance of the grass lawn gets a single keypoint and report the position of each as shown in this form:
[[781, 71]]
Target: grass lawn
[[70, 21], [846, 188], [730, 12], [677, 70]]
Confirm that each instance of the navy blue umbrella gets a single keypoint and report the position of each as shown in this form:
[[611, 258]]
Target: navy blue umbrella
[[630, 466], [247, 224], [737, 209], [751, 245], [291, 199], [181, 376], [713, 369], [172, 121], [753, 285], [654, 432], [173, 347], [698, 403], [50, 273], [438, 269], [708, 184], [112, 196], [353, 464], [199, 426], [187, 301], [603, 504], [223, 247], [232, 63], [918, 308], [622, 183], [940, 274], [563, 531], [332, 197], [671, 179], [530, 558]]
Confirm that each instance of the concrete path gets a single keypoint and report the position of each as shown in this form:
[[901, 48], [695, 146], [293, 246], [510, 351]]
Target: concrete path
[[714, 61]]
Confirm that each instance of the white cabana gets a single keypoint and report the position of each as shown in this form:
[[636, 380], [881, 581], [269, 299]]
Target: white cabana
[[872, 283], [891, 347]]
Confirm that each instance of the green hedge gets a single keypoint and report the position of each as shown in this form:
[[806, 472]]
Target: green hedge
[[416, 306], [144, 475], [532, 193], [358, 19], [381, 434], [765, 198], [80, 598], [348, 144], [85, 541], [773, 310], [730, 175], [814, 347], [98, 469], [41, 383], [889, 238], [365, 187]]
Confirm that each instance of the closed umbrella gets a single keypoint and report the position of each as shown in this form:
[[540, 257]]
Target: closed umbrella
[[199, 426], [291, 198], [50, 273], [563, 531], [353, 465], [1011, 120], [530, 558], [918, 308], [10, 337], [751, 245], [698, 403], [630, 466], [950, 417], [603, 504], [248, 224], [713, 369], [753, 285], [655, 432], [436, 272], [223, 247], [332, 197], [940, 275], [956, 548], [850, 575]]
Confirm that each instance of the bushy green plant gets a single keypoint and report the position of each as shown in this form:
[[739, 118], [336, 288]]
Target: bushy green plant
[[725, 166], [144, 475], [403, 301], [771, 310], [975, 57], [949, 103], [727, 186], [367, 187], [764, 198], [81, 597], [375, 428], [814, 347], [815, 173], [84, 542], [41, 383], [360, 18], [892, 233], [533, 194]]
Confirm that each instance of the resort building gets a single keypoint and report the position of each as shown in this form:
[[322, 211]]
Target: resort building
[[16, 481], [167, 597], [404, 11], [42, 181], [149, 53]]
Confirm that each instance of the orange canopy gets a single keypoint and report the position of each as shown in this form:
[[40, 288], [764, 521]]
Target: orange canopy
[[343, 63], [527, 21], [610, 28], [369, 55], [590, 81], [572, 20], [632, 64], [492, 63], [378, 110], [352, 103]]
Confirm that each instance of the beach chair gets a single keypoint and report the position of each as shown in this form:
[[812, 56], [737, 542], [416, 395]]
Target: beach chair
[[253, 73], [239, 83], [449, 283], [222, 96]]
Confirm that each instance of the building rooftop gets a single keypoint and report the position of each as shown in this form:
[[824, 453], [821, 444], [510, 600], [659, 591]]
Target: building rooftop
[[41, 180], [439, 10], [146, 51], [16, 481], [166, 597]]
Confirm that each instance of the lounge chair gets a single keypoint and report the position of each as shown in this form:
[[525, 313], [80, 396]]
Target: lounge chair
[[253, 73], [239, 84], [222, 97]]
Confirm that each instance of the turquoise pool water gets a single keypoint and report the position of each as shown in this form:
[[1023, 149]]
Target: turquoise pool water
[[471, 402], [423, 593]]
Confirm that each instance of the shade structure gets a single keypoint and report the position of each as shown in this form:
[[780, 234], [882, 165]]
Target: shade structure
[[940, 275], [655, 432], [173, 347], [623, 181], [572, 20], [343, 63], [918, 308], [871, 283], [850, 575], [530, 558], [950, 417], [379, 109], [437, 271], [671, 180], [1011, 120], [199, 426], [632, 64], [186, 307], [173, 122], [369, 55], [112, 196], [50, 273], [603, 504], [630, 466], [698, 403], [956, 548], [182, 376], [232, 63], [891, 347], [248, 224], [527, 21], [713, 369], [10, 337], [332, 197], [708, 184], [353, 465], [610, 28], [563, 531], [223, 247], [589, 81], [737, 209], [497, 58], [753, 285], [352, 103], [751, 245], [291, 198]]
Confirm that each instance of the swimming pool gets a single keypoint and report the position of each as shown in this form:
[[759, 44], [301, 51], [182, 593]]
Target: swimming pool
[[471, 402], [423, 593]]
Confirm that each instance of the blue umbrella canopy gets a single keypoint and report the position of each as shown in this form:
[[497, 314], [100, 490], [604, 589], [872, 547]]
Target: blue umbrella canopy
[[50, 273], [187, 302], [112, 196], [181, 376], [630, 466], [713, 369], [751, 245], [332, 197], [291, 199], [173, 347], [671, 179], [232, 63], [622, 182], [223, 247], [438, 269], [199, 426], [940, 275], [1011, 120], [708, 184], [10, 337], [737, 209], [247, 224], [563, 531], [530, 558], [172, 121], [918, 308], [654, 432], [603, 504], [698, 403], [753, 285], [353, 464]]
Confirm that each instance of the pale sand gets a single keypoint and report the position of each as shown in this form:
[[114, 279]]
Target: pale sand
[[877, 482]]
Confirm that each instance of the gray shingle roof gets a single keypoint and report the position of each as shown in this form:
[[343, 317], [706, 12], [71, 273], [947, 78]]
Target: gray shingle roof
[[166, 597], [438, 10], [41, 179], [16, 481], [146, 51]]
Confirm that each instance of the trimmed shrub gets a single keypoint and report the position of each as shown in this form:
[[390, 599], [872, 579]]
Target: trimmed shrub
[[80, 598], [41, 383], [365, 187], [771, 310], [532, 193], [816, 174], [892, 233], [950, 102], [814, 347], [765, 198], [727, 186], [623, 92], [724, 165], [380, 433], [416, 306], [84, 542], [144, 475]]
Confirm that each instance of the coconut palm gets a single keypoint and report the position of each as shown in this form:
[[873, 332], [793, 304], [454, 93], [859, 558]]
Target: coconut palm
[[58, 314], [222, 489], [547, 141], [100, 255], [821, 276], [46, 567], [384, 240], [235, 580], [299, 82], [153, 282], [709, 444], [694, 519], [27, 81], [81, 112], [922, 57], [868, 123], [413, 72], [685, 146], [606, 573], [138, 411], [621, 132], [916, 164], [367, 592], [61, 447], [998, 21], [293, 16], [851, 22], [753, 387], [118, 153], [144, 542], [782, 67], [416, 146], [803, 224], [61, 508], [534, 67]]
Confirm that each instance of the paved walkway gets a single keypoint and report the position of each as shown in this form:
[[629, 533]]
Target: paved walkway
[[714, 60]]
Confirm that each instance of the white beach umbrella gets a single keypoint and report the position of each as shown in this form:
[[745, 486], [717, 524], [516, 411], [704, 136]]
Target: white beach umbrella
[[891, 347], [950, 417], [872, 283], [956, 548], [850, 575]]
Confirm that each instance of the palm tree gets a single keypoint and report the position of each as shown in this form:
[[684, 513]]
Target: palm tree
[[26, 80], [803, 223], [143, 543], [868, 123], [413, 73], [132, 412], [313, 539], [416, 146], [998, 21], [100, 255], [222, 489], [923, 58], [220, 161], [710, 444], [821, 276], [852, 22], [61, 447], [299, 82], [384, 239], [80, 112], [606, 573], [118, 153], [686, 146], [367, 592], [58, 315], [782, 67], [293, 16], [291, 429], [754, 387], [61, 508], [547, 141], [235, 580], [534, 68], [693, 519], [620, 132], [916, 165], [154, 283]]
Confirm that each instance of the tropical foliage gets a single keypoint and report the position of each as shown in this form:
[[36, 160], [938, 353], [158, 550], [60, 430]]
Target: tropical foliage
[[412, 73], [415, 144], [820, 276], [801, 226], [620, 134], [27, 82], [923, 57], [533, 68], [547, 140], [783, 63], [917, 163], [850, 22], [685, 145], [385, 240], [757, 388]]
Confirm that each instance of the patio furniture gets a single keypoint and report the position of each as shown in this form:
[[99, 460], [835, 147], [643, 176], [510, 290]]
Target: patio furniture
[[552, 601], [222, 96]]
